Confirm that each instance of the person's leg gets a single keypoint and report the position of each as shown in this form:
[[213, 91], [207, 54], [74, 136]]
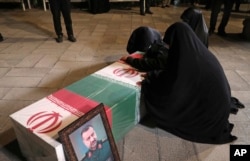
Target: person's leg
[[66, 11], [237, 5], [142, 7], [215, 10], [147, 4], [163, 3], [228, 5], [167, 4], [55, 10], [208, 4]]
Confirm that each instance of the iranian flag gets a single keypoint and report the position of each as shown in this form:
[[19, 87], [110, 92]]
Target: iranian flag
[[119, 100]]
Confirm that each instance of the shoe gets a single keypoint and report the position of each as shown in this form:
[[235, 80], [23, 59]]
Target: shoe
[[1, 37], [71, 38], [222, 33], [210, 32], [149, 12], [59, 38], [167, 5], [143, 14]]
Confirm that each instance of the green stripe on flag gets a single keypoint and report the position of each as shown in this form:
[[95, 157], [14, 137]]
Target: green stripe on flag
[[120, 98]]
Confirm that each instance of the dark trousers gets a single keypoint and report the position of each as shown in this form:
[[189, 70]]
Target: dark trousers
[[215, 10], [208, 4], [144, 6], [194, 1], [57, 7], [99, 6], [237, 4]]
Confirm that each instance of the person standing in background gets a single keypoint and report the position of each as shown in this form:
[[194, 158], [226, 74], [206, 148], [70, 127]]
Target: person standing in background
[[145, 7], [215, 10], [57, 7]]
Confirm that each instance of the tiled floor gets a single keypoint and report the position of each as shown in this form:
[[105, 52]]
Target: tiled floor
[[33, 65]]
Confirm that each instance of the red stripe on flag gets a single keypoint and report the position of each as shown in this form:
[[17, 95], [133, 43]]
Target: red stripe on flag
[[76, 104]]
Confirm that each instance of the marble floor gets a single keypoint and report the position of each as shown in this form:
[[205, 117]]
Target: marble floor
[[33, 65]]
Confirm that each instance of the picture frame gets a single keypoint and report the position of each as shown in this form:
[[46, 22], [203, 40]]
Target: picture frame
[[76, 139]]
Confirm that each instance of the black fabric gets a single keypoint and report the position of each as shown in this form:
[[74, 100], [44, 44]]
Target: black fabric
[[155, 58], [246, 29], [216, 9], [195, 19], [144, 6], [141, 38], [1, 37], [191, 98], [57, 8], [99, 6]]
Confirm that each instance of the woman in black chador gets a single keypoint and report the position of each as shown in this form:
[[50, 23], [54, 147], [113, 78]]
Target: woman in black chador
[[141, 38], [194, 18], [188, 95]]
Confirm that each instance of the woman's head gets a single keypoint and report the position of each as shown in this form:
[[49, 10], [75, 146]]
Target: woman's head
[[176, 32], [141, 38], [192, 16], [182, 40]]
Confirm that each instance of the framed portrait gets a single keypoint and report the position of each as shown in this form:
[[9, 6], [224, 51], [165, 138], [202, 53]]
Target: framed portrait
[[89, 138]]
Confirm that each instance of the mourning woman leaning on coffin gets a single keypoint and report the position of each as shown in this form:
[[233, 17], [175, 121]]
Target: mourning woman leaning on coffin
[[188, 95], [141, 38]]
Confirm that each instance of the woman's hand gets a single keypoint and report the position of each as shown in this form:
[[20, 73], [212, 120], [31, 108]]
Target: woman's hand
[[124, 58]]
